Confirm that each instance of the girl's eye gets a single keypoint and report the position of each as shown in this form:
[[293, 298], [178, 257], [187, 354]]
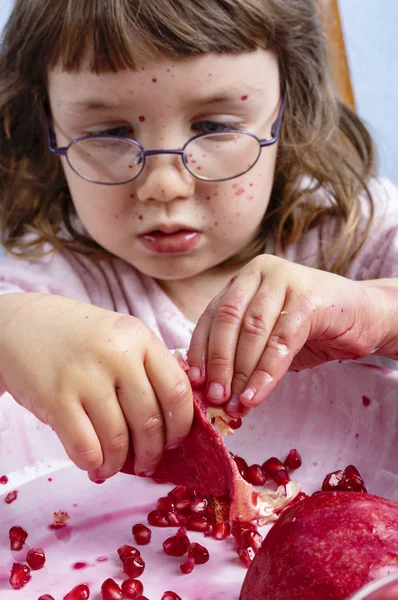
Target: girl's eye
[[122, 131], [213, 127]]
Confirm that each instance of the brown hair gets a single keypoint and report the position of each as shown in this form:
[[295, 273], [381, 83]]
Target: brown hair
[[321, 138]]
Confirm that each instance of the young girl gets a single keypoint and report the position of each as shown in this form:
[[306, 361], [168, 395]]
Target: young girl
[[179, 174]]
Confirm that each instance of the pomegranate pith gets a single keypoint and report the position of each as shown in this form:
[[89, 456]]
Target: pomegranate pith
[[132, 588], [80, 592], [20, 575], [36, 558], [110, 590], [17, 537], [134, 566], [142, 534]]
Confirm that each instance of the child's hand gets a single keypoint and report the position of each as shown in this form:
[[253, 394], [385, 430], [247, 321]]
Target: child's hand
[[94, 376], [275, 316]]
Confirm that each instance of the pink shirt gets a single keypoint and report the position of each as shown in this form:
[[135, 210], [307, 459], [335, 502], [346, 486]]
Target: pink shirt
[[117, 286]]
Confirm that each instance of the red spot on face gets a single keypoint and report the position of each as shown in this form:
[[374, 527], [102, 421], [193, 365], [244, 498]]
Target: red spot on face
[[244, 98], [210, 74], [141, 218], [240, 191], [141, 118], [208, 197], [132, 196], [154, 80], [366, 401]]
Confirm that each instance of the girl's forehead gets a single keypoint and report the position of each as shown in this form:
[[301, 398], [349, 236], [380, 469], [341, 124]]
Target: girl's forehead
[[198, 76]]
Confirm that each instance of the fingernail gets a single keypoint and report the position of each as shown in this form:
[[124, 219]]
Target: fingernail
[[249, 394], [233, 404], [216, 391], [194, 373], [145, 474]]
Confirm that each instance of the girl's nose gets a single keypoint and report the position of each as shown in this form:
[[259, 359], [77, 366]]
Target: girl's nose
[[163, 179]]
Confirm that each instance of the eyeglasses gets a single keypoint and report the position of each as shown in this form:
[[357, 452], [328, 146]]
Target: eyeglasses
[[114, 160]]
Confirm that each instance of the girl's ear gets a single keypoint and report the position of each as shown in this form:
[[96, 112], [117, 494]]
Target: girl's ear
[[331, 22]]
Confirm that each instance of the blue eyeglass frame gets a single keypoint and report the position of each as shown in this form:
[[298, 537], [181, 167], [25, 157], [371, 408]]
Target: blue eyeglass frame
[[63, 151]]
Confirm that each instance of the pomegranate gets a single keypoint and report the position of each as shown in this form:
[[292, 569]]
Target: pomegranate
[[177, 545], [127, 551], [202, 462], [293, 460], [11, 497], [3, 479], [142, 534], [274, 469], [199, 553], [36, 558], [132, 588], [133, 566], [246, 556], [255, 475], [46, 597], [17, 537], [170, 596], [20, 575], [347, 480], [187, 567], [111, 591], [80, 592], [326, 546]]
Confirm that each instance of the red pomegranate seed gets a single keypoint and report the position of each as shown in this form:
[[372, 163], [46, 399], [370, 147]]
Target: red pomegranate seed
[[242, 465], [177, 545], [199, 505], [46, 597], [111, 591], [60, 518], [173, 519], [3, 479], [199, 553], [11, 496], [127, 552], [182, 531], [17, 537], [353, 480], [333, 481], [274, 469], [239, 527], [36, 558], [20, 575], [132, 588], [246, 556], [252, 539], [142, 534], [198, 524], [156, 519], [183, 505], [255, 475], [180, 491], [80, 592], [220, 531], [134, 566], [188, 566], [170, 596], [165, 505], [293, 460], [235, 423]]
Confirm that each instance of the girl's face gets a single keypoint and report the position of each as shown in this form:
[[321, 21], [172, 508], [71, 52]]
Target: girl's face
[[166, 223]]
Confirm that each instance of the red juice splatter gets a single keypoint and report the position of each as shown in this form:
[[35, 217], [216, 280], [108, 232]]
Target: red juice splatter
[[366, 401], [244, 98], [154, 80], [141, 118], [79, 565]]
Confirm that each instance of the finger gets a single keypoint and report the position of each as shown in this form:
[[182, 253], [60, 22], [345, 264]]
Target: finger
[[110, 425], [224, 334], [288, 336], [197, 352], [257, 325], [173, 392], [235, 408], [77, 435], [144, 418]]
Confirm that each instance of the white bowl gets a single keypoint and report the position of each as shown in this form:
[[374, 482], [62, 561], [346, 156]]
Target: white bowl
[[320, 412]]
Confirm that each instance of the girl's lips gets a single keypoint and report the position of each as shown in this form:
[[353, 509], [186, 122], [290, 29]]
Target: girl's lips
[[177, 242]]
